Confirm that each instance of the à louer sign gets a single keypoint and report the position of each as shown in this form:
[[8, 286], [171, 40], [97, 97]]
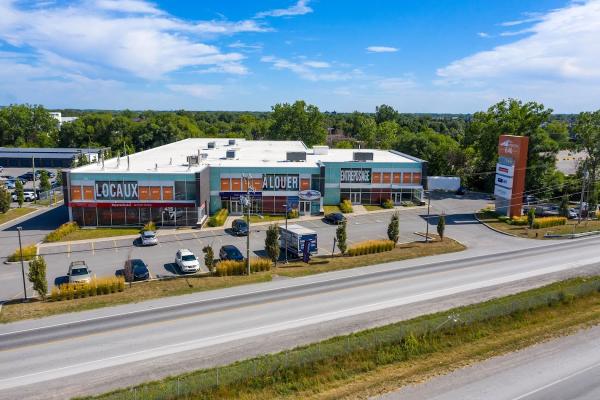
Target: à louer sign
[[121, 190]]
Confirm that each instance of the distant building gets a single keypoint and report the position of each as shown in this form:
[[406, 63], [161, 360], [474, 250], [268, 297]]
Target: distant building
[[61, 120], [22, 157]]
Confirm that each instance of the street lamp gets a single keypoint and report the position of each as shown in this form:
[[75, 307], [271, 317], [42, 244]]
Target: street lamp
[[286, 207], [427, 220], [19, 228]]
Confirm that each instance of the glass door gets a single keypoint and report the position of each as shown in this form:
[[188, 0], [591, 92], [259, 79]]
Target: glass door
[[304, 207], [235, 207], [397, 198], [355, 197]]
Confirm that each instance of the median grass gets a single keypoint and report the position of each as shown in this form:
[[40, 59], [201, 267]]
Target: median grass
[[402, 251], [15, 310], [90, 233], [15, 213], [374, 361], [571, 226]]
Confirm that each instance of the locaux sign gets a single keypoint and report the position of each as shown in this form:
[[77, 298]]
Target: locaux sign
[[112, 190]]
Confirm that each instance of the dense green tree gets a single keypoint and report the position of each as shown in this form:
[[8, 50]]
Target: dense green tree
[[4, 199], [393, 230], [344, 144], [587, 139], [20, 193], [385, 113], [27, 126], [559, 132], [385, 135], [298, 121], [341, 236], [364, 128], [444, 154], [37, 276], [44, 181], [272, 243]]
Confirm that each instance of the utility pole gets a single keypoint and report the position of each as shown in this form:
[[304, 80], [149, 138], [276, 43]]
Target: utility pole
[[19, 228], [427, 220], [34, 191], [247, 202], [583, 184]]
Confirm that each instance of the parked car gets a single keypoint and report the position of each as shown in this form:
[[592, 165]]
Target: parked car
[[50, 174], [187, 261], [572, 213], [27, 176], [230, 252], [136, 270], [10, 184], [529, 198], [335, 218], [79, 272], [148, 238], [239, 227], [461, 191], [28, 195]]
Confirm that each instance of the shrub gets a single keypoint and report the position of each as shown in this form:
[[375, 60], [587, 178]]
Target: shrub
[[370, 247], [62, 231], [346, 207], [408, 204], [387, 203], [519, 221], [29, 253], [218, 219], [547, 222], [96, 287], [293, 213], [231, 267], [149, 226], [37, 276]]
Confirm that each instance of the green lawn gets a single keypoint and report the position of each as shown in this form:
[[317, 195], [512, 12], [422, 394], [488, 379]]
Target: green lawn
[[373, 207], [332, 209], [95, 233], [15, 213], [266, 218]]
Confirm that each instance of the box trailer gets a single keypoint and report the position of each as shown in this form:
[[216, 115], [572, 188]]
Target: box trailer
[[295, 238]]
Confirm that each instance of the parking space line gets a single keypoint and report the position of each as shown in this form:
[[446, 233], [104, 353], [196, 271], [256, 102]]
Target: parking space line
[[115, 246], [69, 250], [93, 249]]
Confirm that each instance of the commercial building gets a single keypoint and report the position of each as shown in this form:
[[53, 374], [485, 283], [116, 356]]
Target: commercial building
[[24, 157], [181, 183]]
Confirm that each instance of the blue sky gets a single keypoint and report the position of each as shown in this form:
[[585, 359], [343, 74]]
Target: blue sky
[[416, 55]]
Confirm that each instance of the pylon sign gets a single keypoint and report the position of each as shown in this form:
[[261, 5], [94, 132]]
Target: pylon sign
[[510, 174]]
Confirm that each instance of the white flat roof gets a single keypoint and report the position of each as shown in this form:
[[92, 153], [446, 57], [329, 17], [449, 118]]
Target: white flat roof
[[172, 157]]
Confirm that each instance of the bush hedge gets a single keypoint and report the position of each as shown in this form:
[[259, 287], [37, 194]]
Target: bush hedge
[[387, 203], [62, 231], [231, 267], [547, 222], [370, 247], [293, 213], [29, 253], [149, 226], [96, 287], [346, 207], [218, 219], [518, 221]]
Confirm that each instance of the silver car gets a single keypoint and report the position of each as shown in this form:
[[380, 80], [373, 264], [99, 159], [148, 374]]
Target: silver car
[[79, 272], [148, 238], [187, 261]]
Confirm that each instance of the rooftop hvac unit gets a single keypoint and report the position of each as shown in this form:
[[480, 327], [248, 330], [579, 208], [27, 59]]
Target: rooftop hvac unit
[[320, 150], [362, 156], [296, 156], [212, 145], [230, 154], [231, 142], [192, 160]]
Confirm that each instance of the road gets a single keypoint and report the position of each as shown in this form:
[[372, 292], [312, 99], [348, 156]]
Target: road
[[565, 368], [136, 342], [106, 257]]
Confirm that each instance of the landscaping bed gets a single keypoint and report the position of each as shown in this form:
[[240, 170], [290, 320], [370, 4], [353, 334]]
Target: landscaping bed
[[15, 213]]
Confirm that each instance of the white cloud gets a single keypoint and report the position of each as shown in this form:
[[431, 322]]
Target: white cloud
[[535, 18], [245, 46], [197, 90], [381, 49], [483, 34], [310, 70], [107, 36], [300, 8]]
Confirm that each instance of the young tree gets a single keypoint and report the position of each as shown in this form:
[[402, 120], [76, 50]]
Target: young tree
[[4, 199], [272, 243], [59, 178], [44, 181], [563, 208], [37, 276], [441, 226], [531, 217], [20, 193], [393, 230], [209, 258], [340, 235]]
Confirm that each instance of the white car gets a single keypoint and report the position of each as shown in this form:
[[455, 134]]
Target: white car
[[148, 238], [28, 195], [187, 261]]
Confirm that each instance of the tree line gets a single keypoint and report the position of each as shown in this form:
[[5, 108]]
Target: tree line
[[464, 145]]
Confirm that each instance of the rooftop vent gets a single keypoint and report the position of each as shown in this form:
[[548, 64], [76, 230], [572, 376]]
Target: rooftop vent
[[231, 142], [230, 154], [192, 160], [295, 156], [212, 145], [362, 156], [320, 149]]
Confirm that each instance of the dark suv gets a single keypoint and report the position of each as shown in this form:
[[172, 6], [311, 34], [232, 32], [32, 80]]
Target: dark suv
[[239, 227], [230, 252]]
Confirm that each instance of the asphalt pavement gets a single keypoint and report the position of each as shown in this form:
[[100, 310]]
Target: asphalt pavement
[[122, 345], [567, 368]]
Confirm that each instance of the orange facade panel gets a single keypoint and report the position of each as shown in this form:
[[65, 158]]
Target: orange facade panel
[[167, 193], [406, 177], [258, 184], [376, 178], [76, 193], [387, 177], [304, 184], [88, 193], [225, 184], [144, 192], [236, 184], [155, 193], [397, 177], [416, 178]]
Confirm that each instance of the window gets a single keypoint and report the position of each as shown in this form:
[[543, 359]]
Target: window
[[315, 183]]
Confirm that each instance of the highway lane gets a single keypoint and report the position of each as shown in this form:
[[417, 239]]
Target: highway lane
[[565, 368], [41, 357]]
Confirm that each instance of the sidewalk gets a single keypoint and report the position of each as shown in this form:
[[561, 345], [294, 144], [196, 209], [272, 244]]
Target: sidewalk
[[358, 210]]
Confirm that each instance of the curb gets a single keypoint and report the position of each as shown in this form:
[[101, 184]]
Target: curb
[[496, 230], [572, 235]]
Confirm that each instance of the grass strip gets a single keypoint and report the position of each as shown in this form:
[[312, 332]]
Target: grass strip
[[15, 213], [96, 233], [380, 359]]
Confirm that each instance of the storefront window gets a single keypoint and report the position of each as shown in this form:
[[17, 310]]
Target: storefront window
[[104, 216], [185, 190], [90, 216], [78, 215], [118, 216], [132, 215]]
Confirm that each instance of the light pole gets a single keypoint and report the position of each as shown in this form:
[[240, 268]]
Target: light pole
[[247, 202], [19, 228], [285, 206], [427, 220]]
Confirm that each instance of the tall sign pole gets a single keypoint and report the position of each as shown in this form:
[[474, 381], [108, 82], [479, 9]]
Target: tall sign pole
[[510, 174]]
